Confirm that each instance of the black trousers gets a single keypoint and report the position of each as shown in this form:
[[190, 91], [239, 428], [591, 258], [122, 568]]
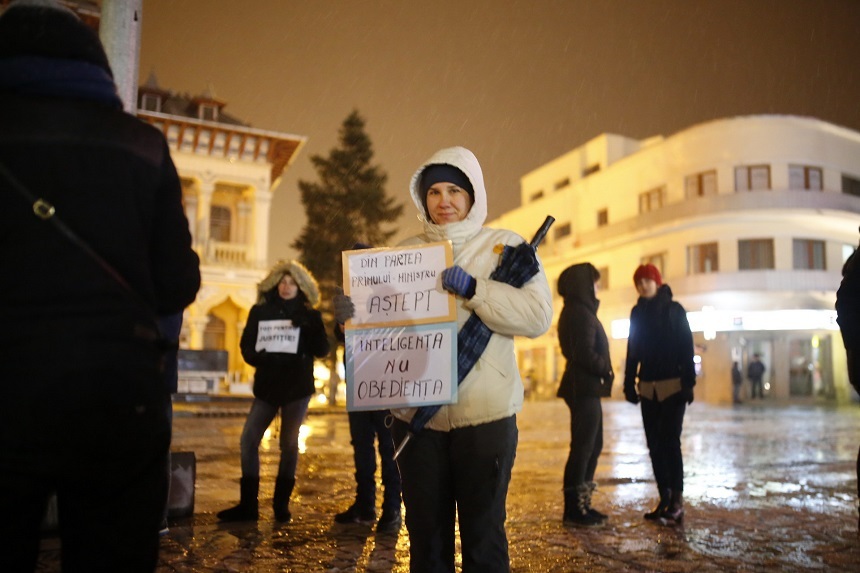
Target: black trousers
[[586, 441], [107, 463], [462, 474], [365, 428], [663, 422]]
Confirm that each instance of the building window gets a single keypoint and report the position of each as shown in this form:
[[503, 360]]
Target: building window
[[214, 334], [755, 254], [657, 259], [603, 217], [651, 200], [804, 177], [536, 195], [809, 255], [603, 281], [208, 112], [847, 251], [701, 184], [562, 184], [752, 178], [561, 231], [702, 259], [850, 185], [219, 223], [150, 102], [591, 169]]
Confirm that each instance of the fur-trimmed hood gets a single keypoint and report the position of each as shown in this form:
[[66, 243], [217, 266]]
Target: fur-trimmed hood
[[303, 277]]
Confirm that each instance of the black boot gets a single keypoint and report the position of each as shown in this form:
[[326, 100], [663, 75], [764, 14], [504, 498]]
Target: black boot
[[665, 499], [248, 508], [599, 515], [674, 513], [577, 508], [281, 502]]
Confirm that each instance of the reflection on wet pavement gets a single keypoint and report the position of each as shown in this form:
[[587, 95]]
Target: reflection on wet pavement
[[767, 488]]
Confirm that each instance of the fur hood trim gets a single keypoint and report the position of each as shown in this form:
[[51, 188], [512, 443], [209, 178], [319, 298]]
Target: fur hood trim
[[303, 277]]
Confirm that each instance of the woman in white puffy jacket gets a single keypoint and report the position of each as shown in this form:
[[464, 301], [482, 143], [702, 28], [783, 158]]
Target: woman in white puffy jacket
[[460, 464]]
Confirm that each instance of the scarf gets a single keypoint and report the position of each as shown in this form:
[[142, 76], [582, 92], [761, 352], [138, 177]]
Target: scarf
[[53, 77]]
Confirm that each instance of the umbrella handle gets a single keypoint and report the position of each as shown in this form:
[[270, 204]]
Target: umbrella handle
[[402, 445], [541, 233]]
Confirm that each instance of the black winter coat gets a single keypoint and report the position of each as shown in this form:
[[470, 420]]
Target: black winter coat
[[111, 179], [660, 344], [583, 341], [282, 377]]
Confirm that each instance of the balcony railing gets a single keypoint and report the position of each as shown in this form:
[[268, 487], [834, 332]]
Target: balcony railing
[[227, 254]]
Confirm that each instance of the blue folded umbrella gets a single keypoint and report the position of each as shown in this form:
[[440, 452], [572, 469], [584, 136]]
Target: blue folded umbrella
[[516, 267]]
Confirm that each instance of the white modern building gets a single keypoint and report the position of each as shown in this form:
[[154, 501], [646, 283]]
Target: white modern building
[[229, 172], [749, 219]]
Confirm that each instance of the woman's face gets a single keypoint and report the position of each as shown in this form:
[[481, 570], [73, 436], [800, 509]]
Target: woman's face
[[287, 288], [646, 288], [447, 203]]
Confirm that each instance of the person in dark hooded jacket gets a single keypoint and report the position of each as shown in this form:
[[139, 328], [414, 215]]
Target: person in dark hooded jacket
[[283, 335], [660, 355], [85, 405], [587, 377]]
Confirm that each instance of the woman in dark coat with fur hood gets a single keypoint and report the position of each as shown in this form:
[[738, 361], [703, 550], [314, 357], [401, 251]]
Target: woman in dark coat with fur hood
[[587, 377], [283, 335]]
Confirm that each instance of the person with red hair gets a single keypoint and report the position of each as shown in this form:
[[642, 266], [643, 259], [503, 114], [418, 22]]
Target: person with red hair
[[660, 356]]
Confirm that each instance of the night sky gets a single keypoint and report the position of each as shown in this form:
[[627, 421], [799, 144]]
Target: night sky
[[518, 82]]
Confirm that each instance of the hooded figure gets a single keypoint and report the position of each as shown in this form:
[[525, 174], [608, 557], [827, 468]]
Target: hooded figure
[[85, 409], [460, 464], [283, 335], [587, 377]]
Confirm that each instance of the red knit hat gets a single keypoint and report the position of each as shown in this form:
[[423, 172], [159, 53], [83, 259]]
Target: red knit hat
[[648, 271]]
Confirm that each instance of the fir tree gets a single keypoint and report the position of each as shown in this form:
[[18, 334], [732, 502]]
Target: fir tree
[[348, 204]]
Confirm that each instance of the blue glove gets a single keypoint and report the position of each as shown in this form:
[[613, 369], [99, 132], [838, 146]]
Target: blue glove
[[459, 282], [344, 309]]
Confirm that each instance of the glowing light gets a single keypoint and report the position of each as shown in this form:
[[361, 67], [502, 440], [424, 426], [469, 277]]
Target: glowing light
[[733, 320], [304, 434]]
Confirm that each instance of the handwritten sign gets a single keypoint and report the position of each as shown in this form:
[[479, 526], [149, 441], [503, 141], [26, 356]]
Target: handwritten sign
[[398, 286], [277, 336], [401, 367]]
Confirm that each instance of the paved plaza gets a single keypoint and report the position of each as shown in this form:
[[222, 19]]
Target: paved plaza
[[768, 488]]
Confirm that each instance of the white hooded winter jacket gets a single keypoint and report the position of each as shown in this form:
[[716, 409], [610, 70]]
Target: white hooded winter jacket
[[493, 390]]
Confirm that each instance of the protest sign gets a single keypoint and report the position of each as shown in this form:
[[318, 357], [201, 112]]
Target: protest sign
[[277, 336], [401, 367], [398, 286], [401, 344]]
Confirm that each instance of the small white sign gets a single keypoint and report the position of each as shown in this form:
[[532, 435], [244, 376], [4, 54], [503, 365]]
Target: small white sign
[[277, 336]]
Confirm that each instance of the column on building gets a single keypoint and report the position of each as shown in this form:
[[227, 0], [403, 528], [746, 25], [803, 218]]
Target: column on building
[[197, 327], [244, 210], [262, 206], [205, 189]]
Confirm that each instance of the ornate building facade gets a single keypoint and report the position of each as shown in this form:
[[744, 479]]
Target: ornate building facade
[[229, 173]]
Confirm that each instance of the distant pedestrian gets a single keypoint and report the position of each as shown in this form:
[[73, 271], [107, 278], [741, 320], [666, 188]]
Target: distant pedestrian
[[94, 245], [365, 428], [283, 335], [755, 373], [848, 318], [660, 355], [737, 382], [587, 378]]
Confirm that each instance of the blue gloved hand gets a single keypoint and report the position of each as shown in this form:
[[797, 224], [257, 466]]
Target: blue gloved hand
[[344, 309], [459, 282]]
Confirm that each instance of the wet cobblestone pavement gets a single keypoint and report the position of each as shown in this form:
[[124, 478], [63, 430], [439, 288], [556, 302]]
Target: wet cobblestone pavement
[[768, 488]]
